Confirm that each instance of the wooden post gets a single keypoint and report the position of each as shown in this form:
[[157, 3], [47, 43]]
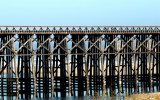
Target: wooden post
[[33, 67], [52, 70], [68, 68], [135, 64], [150, 64], [16, 72], [86, 69], [118, 65], [102, 67]]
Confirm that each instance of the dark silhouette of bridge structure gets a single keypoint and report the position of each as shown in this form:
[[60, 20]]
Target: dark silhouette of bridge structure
[[53, 61]]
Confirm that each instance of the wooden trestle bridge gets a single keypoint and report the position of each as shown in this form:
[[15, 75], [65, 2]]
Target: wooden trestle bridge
[[52, 61]]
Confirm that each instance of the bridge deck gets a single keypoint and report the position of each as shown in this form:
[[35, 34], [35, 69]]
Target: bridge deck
[[79, 29]]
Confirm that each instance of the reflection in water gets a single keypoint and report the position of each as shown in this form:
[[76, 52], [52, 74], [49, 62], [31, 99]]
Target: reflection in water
[[114, 92], [70, 98]]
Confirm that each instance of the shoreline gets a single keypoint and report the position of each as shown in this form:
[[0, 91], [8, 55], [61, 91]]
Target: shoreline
[[144, 96]]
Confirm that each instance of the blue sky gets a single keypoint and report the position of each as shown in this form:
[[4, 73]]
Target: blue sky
[[80, 12]]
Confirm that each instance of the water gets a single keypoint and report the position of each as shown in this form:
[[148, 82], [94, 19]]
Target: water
[[68, 98], [112, 92], [125, 91]]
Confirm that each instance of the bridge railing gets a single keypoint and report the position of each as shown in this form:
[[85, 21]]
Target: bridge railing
[[79, 29]]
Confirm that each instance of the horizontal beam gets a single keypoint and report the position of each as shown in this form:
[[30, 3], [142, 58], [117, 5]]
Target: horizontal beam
[[85, 53], [79, 29]]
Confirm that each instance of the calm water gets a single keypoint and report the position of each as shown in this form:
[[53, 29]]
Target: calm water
[[112, 93], [69, 98], [118, 96]]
